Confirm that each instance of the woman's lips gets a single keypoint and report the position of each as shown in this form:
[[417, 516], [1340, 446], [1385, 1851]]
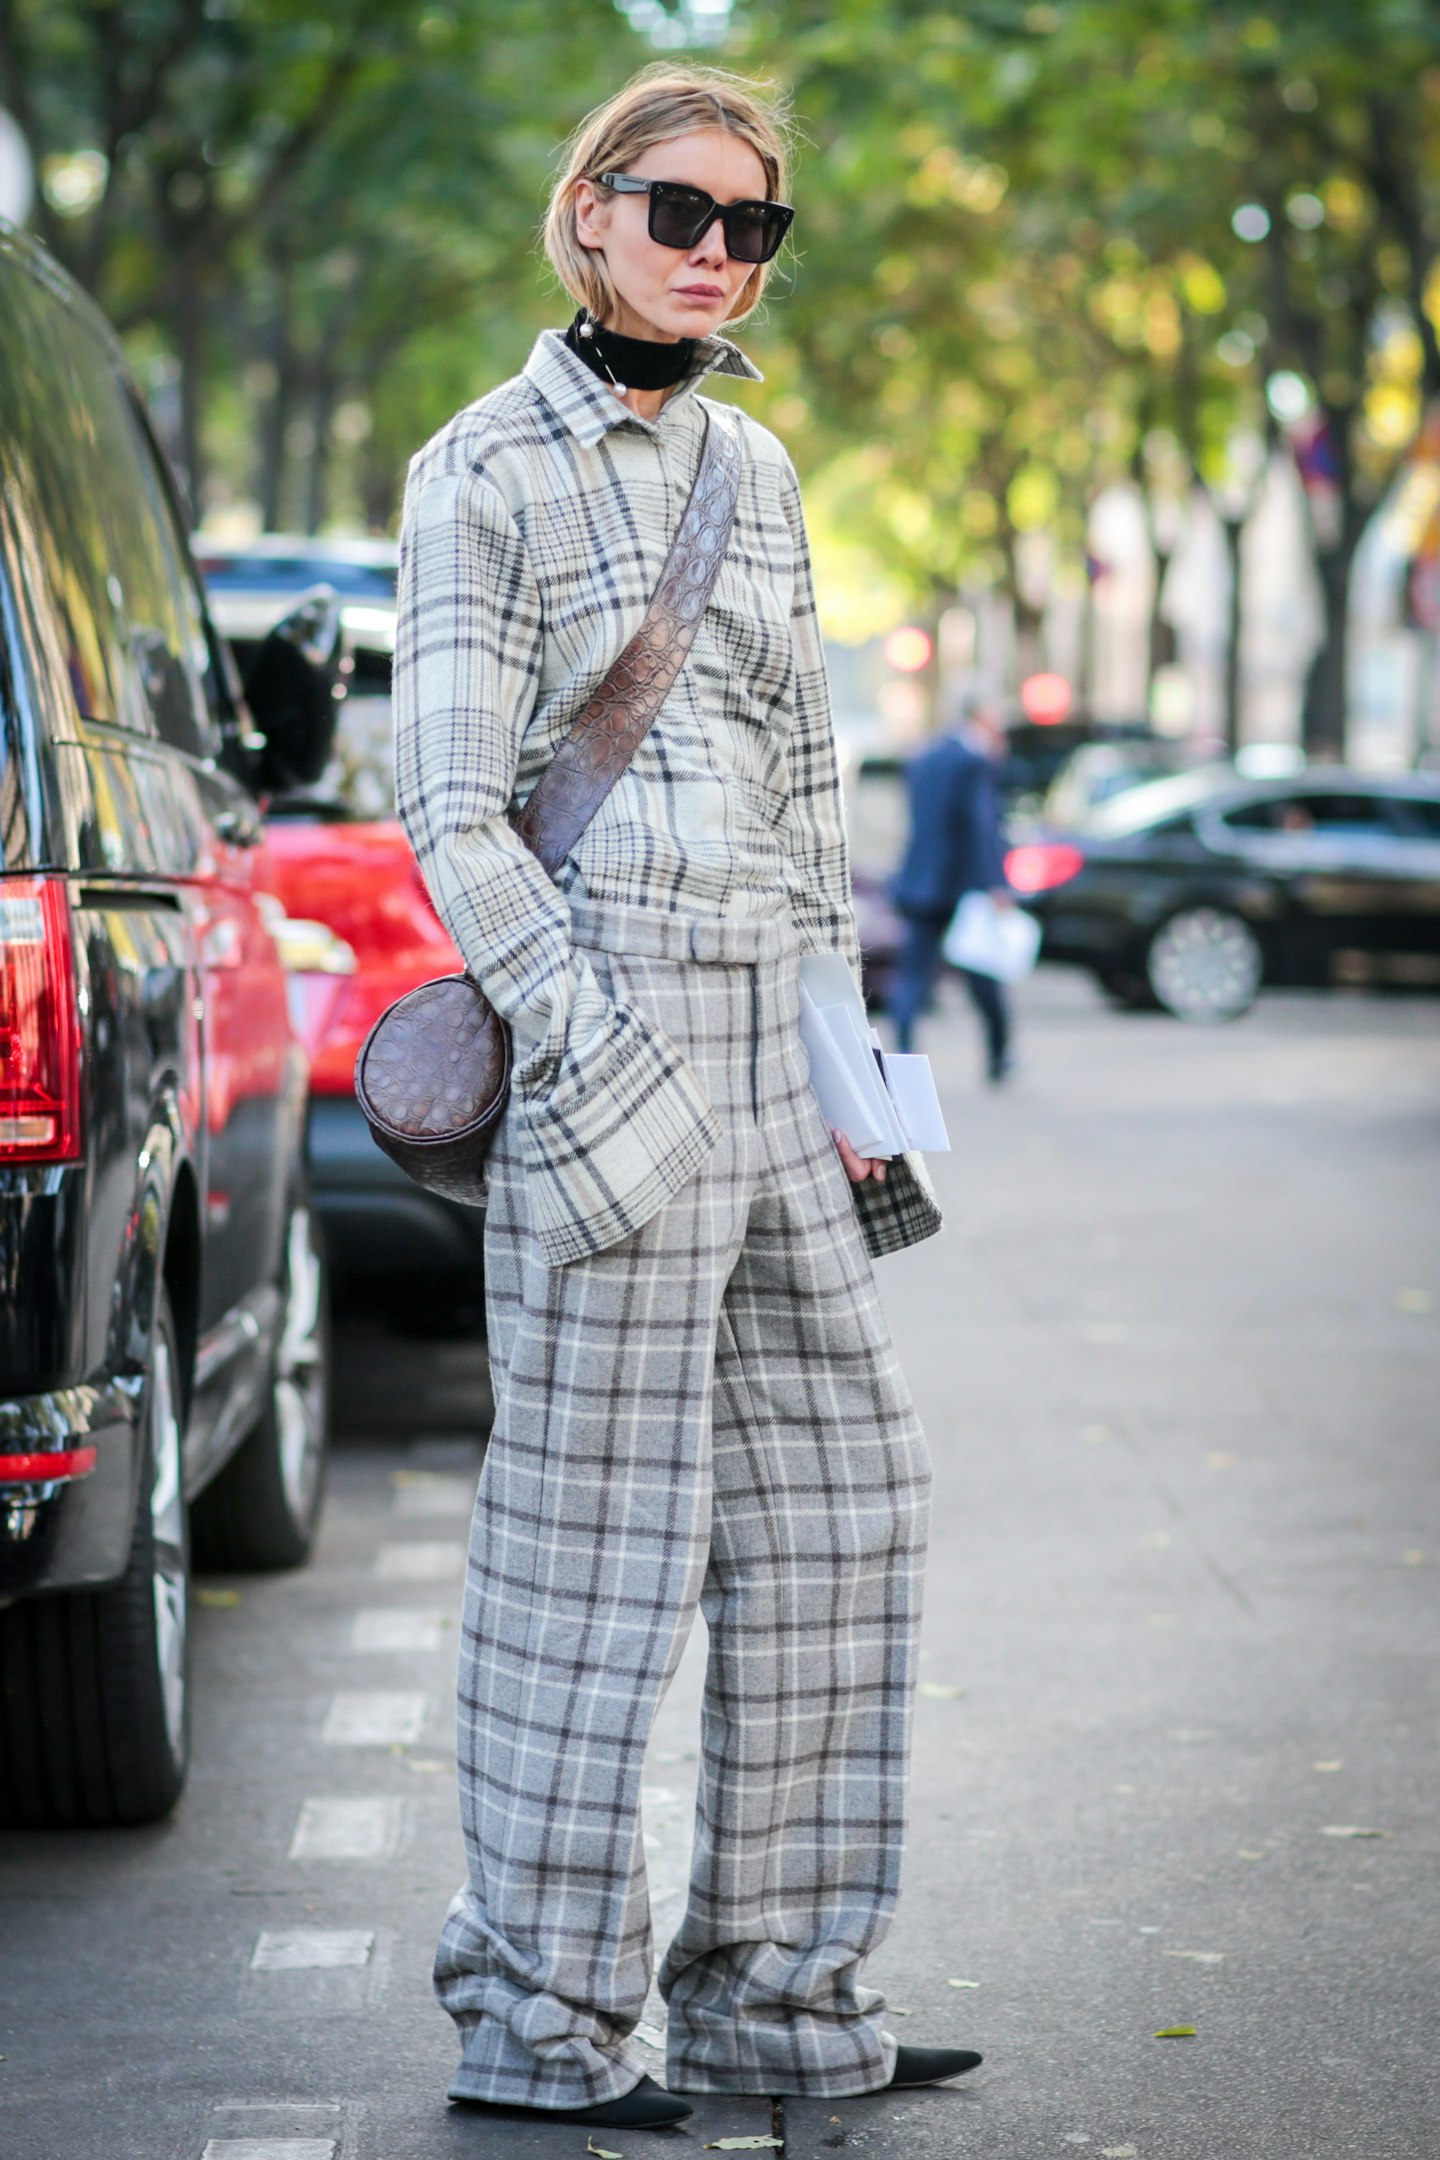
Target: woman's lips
[[700, 292]]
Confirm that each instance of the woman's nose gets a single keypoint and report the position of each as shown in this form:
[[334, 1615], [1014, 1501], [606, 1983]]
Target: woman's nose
[[711, 244]]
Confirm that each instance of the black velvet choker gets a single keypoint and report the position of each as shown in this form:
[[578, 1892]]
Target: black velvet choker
[[629, 363]]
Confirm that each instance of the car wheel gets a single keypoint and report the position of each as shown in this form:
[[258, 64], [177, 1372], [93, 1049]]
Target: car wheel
[[94, 1685], [263, 1509], [1205, 964]]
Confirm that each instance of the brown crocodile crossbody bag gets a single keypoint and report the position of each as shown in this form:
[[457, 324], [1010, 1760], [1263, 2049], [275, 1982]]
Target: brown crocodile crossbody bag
[[433, 1075]]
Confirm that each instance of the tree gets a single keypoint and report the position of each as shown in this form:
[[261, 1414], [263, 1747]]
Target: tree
[[287, 204]]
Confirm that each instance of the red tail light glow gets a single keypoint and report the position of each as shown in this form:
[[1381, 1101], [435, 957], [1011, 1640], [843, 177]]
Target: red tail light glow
[[52, 1468], [39, 1024], [1041, 865]]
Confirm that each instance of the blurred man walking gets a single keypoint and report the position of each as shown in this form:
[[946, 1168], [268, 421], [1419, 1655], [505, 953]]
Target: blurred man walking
[[956, 846]]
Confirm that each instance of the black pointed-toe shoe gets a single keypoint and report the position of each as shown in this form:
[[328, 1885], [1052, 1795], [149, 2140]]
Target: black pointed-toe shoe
[[930, 2066], [647, 2106]]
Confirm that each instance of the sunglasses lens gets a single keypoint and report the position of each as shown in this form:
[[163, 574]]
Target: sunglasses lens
[[753, 232], [678, 215]]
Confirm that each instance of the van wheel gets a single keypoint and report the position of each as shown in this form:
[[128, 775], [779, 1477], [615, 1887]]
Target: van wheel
[[1205, 964], [263, 1509], [95, 1684]]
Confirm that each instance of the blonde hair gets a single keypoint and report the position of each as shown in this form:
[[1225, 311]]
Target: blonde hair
[[655, 106]]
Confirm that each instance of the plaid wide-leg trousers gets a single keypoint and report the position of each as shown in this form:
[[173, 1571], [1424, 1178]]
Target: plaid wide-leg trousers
[[707, 1413]]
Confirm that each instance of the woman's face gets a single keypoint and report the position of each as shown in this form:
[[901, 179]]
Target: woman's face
[[665, 292]]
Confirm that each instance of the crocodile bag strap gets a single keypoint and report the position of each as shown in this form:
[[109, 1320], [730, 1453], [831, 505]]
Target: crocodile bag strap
[[613, 725]]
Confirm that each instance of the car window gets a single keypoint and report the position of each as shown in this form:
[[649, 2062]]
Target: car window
[[190, 610], [359, 781], [1336, 814], [1417, 818], [76, 477], [231, 570], [361, 772]]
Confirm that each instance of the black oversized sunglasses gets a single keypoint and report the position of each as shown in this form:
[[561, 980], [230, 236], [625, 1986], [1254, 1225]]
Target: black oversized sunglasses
[[679, 215]]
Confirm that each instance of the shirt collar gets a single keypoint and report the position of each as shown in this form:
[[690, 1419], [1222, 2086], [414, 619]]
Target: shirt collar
[[589, 407]]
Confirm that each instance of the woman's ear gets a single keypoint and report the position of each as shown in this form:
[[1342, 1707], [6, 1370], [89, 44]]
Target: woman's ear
[[589, 215]]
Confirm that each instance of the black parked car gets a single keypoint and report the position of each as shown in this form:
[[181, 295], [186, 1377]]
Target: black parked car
[[162, 1330], [1190, 893]]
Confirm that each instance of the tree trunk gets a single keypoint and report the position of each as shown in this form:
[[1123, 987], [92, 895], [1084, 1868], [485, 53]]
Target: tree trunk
[[279, 410], [188, 330], [377, 486], [1324, 711], [1160, 648], [318, 486], [1234, 531]]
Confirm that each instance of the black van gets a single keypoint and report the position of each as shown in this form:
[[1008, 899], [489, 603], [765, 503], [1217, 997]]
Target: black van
[[162, 1293]]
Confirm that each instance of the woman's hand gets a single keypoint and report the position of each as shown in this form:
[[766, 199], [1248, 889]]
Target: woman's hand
[[858, 1167]]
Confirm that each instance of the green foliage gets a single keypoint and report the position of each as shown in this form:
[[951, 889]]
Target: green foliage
[[1019, 271], [326, 221]]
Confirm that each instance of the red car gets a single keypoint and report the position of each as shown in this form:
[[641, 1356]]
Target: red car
[[336, 857]]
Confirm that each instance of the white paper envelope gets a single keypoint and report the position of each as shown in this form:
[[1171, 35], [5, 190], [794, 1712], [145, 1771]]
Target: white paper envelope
[[912, 1085], [839, 1090]]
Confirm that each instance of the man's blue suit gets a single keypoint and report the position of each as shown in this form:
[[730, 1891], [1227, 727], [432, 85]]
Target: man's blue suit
[[956, 845]]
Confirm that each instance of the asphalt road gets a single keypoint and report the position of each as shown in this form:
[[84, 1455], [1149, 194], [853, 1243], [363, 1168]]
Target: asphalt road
[[1177, 1750]]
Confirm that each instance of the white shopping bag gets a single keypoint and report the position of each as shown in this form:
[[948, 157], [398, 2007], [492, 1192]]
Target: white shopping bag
[[992, 940]]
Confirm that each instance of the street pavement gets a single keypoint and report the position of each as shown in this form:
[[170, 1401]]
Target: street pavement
[[1177, 1746]]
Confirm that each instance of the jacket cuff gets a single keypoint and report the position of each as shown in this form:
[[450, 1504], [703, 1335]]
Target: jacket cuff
[[900, 1212], [621, 1128]]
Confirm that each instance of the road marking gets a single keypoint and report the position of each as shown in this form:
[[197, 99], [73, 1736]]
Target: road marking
[[270, 2149], [420, 1562], [348, 1830], [373, 1718], [421, 1495], [304, 1949], [383, 1629]]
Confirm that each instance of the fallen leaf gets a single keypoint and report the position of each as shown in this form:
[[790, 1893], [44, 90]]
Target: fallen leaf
[[1124, 1788], [1176, 2032], [1347, 1829], [1157, 1540], [765, 2144], [938, 1691], [1414, 1557], [1199, 1957], [1117, 2152], [896, 2011], [1245, 1853], [217, 1599], [1338, 1764], [602, 2152], [1190, 1734], [962, 1983], [1414, 1300], [1219, 1460], [424, 1763]]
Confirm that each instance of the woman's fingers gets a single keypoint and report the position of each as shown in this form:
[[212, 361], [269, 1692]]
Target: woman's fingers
[[858, 1167]]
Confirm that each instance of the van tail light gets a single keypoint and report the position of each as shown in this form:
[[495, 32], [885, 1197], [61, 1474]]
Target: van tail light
[[56, 1467], [39, 1024], [1041, 865]]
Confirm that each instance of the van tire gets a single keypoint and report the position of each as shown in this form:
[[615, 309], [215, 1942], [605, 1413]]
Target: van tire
[[95, 1684]]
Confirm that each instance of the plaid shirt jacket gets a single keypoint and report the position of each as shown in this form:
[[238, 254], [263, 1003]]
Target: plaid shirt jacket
[[536, 525]]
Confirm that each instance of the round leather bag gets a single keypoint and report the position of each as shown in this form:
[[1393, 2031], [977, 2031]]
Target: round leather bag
[[433, 1079]]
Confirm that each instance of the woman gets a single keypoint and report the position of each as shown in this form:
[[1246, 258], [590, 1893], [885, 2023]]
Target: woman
[[696, 1397]]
